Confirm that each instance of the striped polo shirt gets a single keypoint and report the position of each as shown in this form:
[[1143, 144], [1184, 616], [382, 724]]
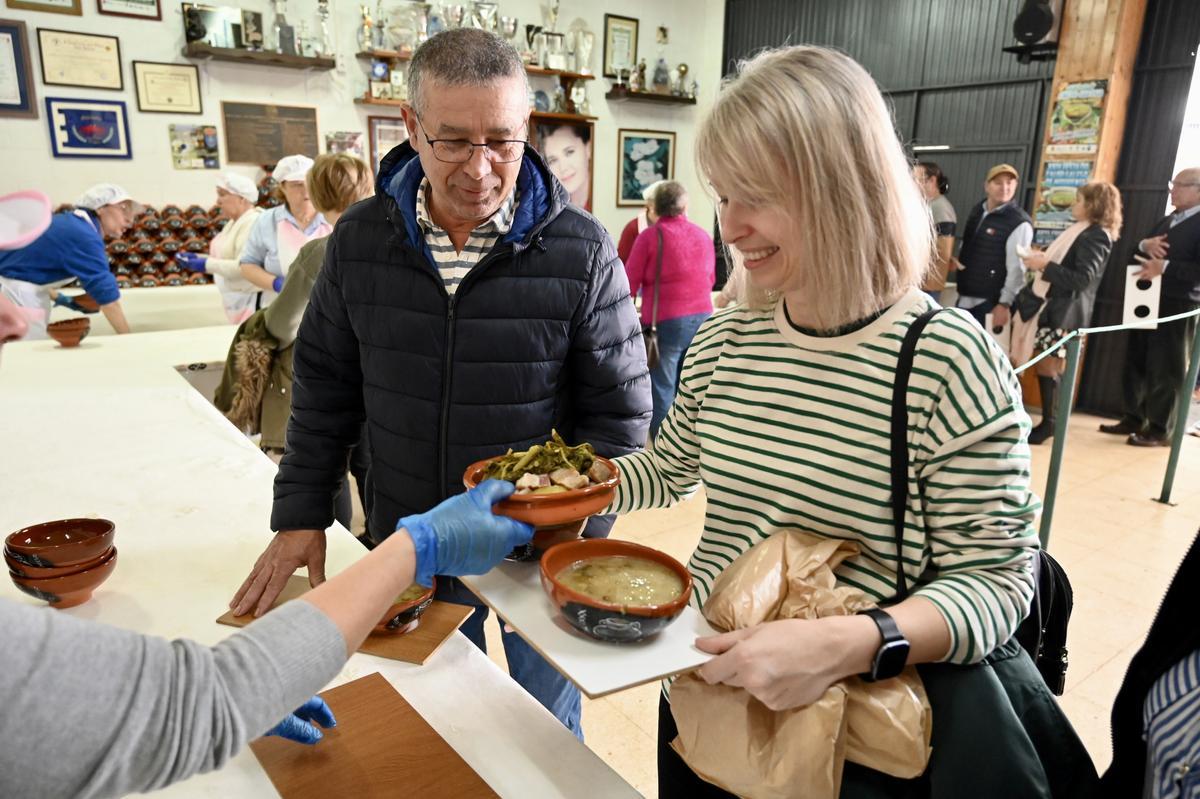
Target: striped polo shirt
[[792, 431], [1171, 717], [452, 264]]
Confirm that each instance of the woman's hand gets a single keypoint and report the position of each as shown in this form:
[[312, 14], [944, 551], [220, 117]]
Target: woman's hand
[[1036, 260], [790, 663]]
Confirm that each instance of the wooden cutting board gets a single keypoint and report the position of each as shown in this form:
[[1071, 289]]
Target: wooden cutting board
[[380, 747], [438, 623]]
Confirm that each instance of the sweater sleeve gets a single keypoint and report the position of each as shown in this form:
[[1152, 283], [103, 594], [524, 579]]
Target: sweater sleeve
[[284, 314], [93, 710]]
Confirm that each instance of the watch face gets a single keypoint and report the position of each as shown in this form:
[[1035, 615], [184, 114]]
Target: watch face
[[890, 659]]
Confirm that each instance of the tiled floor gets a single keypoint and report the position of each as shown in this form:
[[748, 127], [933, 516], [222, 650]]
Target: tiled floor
[[1119, 547]]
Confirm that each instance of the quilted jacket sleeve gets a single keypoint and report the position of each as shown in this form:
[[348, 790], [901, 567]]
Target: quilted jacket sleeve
[[327, 408]]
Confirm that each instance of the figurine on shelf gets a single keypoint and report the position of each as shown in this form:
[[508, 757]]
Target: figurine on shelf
[[285, 36], [635, 81], [560, 100], [662, 76], [378, 35], [579, 98], [641, 75], [455, 14], [324, 42], [550, 12], [437, 22], [365, 29], [585, 41], [483, 15], [679, 80], [694, 90]]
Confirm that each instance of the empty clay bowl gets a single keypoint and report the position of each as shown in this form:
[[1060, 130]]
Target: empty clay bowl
[[69, 332], [86, 301], [403, 617], [18, 565], [71, 589], [602, 620], [556, 518], [66, 542]]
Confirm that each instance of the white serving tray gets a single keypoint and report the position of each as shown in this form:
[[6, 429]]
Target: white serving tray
[[514, 591]]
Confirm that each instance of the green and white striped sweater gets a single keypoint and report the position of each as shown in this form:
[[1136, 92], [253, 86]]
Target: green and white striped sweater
[[786, 430]]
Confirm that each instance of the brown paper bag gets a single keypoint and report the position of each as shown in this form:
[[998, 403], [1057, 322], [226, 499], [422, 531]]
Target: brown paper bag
[[736, 742]]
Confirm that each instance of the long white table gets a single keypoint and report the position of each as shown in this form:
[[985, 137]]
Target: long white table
[[111, 429]]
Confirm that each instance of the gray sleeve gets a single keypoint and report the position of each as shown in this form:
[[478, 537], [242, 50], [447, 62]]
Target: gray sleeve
[[283, 315], [1015, 280], [92, 710]]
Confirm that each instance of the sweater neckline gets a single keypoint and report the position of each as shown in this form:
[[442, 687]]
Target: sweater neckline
[[854, 338]]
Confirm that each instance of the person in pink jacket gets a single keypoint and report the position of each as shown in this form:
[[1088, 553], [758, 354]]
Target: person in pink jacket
[[684, 288]]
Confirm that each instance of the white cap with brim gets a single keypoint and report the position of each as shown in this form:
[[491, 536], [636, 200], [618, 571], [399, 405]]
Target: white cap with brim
[[103, 194], [292, 167], [24, 216], [240, 185]]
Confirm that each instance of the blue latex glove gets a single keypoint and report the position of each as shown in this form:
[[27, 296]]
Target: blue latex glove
[[192, 260], [299, 726], [68, 302], [277, 284], [462, 535]]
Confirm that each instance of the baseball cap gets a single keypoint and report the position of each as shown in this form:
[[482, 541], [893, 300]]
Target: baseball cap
[[1000, 169], [240, 185], [103, 194], [292, 167]]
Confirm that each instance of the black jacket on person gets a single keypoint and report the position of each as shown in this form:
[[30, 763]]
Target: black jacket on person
[[1073, 283], [1181, 281], [541, 334]]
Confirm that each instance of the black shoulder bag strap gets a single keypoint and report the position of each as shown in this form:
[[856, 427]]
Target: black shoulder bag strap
[[900, 443], [657, 281]]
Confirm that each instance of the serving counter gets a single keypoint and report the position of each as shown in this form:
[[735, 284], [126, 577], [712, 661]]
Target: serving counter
[[112, 429]]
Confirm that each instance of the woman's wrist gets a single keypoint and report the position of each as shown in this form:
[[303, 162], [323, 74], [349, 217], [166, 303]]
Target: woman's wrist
[[400, 553], [856, 640]]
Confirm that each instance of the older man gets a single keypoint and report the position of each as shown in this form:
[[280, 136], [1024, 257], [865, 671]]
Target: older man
[[465, 309], [990, 272], [1156, 360]]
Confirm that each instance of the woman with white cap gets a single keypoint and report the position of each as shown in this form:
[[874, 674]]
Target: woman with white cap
[[279, 233], [71, 248], [236, 195]]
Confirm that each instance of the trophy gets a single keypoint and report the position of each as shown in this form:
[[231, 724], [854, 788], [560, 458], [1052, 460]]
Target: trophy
[[550, 12], [483, 15], [378, 35], [324, 42], [508, 29], [285, 35], [556, 52], [679, 79], [530, 54], [365, 29], [455, 14], [585, 41], [420, 18]]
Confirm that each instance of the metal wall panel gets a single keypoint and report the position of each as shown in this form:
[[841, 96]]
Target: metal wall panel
[[965, 170], [904, 110], [1169, 35], [1007, 112], [965, 42]]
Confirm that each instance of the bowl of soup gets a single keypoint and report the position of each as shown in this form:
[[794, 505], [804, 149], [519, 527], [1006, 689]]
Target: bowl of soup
[[613, 590], [405, 612]]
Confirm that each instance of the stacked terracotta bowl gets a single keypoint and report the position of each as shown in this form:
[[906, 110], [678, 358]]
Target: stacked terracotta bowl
[[61, 562]]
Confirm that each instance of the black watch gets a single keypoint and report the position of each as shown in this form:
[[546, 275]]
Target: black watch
[[893, 652]]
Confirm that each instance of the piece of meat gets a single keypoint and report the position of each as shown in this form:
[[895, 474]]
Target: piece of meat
[[568, 478], [599, 472], [530, 481]]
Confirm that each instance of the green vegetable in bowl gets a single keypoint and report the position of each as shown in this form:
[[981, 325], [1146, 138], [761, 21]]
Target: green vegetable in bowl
[[542, 459]]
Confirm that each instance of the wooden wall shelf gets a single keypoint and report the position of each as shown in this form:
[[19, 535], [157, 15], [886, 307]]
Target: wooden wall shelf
[[548, 116], [202, 52], [386, 55], [377, 101], [406, 55], [620, 93]]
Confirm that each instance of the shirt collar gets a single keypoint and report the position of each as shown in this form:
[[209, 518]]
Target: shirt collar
[[500, 222], [1185, 215], [316, 222]]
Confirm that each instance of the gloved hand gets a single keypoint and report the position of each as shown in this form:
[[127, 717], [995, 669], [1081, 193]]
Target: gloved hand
[[68, 302], [462, 535], [299, 726], [192, 260], [277, 284]]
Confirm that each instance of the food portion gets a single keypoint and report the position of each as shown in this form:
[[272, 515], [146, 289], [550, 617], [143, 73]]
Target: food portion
[[623, 580], [410, 594], [550, 468]]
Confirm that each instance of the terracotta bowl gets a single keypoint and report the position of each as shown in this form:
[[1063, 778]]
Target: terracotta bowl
[[70, 589], [556, 518], [66, 542], [603, 620], [18, 565], [69, 332], [87, 302], [403, 617]]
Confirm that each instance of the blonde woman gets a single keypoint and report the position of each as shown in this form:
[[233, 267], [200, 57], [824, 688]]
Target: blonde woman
[[1071, 270], [783, 415]]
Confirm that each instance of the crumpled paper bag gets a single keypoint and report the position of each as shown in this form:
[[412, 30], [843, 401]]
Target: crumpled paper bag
[[734, 741]]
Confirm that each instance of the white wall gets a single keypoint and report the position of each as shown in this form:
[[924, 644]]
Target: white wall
[[696, 30]]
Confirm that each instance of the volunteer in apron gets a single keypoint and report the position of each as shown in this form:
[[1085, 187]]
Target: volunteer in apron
[[72, 248], [281, 231], [236, 195]]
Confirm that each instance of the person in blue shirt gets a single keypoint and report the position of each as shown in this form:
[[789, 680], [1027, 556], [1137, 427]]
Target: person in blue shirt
[[72, 248]]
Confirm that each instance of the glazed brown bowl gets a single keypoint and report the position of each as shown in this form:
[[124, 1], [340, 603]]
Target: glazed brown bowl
[[69, 332], [403, 617], [556, 518], [603, 620], [19, 565], [70, 589], [66, 542], [87, 302]]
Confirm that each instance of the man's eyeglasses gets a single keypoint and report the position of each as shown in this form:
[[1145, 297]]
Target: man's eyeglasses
[[459, 151], [1172, 184]]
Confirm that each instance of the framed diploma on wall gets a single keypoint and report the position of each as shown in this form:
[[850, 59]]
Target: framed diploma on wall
[[138, 9], [81, 128], [72, 7], [85, 60], [167, 88], [17, 98]]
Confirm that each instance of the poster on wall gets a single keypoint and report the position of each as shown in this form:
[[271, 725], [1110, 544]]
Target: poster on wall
[[1056, 193], [17, 98], [258, 133], [567, 150], [346, 141], [643, 157], [85, 60], [1075, 120], [385, 133], [88, 128], [194, 147]]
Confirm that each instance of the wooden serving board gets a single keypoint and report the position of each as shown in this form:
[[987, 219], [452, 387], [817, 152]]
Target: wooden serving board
[[380, 747], [438, 623]]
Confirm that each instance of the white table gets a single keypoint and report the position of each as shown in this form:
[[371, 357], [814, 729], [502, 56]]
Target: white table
[[111, 429]]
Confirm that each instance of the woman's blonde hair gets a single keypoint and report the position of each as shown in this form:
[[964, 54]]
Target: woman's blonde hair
[[1102, 203], [337, 181], [806, 129]]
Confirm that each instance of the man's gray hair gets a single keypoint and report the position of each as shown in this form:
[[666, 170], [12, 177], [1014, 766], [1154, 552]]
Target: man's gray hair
[[463, 57]]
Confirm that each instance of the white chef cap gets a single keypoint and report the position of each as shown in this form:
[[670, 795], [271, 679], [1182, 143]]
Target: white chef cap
[[240, 185], [292, 167], [103, 194]]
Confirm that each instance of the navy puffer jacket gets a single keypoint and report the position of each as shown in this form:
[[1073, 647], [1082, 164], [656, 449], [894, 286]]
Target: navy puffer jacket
[[541, 334]]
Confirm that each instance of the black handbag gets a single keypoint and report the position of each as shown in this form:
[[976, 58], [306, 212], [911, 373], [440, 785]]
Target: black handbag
[[1027, 303], [1043, 633], [650, 331]]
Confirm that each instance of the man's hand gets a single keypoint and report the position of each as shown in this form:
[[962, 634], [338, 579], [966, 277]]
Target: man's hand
[[1151, 267], [286, 552], [956, 265], [1156, 246], [1000, 315]]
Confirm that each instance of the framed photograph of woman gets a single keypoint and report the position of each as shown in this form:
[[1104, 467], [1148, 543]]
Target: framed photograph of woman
[[567, 149], [17, 96], [643, 157], [383, 134]]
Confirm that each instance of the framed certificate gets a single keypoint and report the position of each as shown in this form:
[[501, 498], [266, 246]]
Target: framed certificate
[[72, 7], [167, 88], [17, 97], [384, 133], [620, 44], [86, 60], [139, 9], [82, 128]]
